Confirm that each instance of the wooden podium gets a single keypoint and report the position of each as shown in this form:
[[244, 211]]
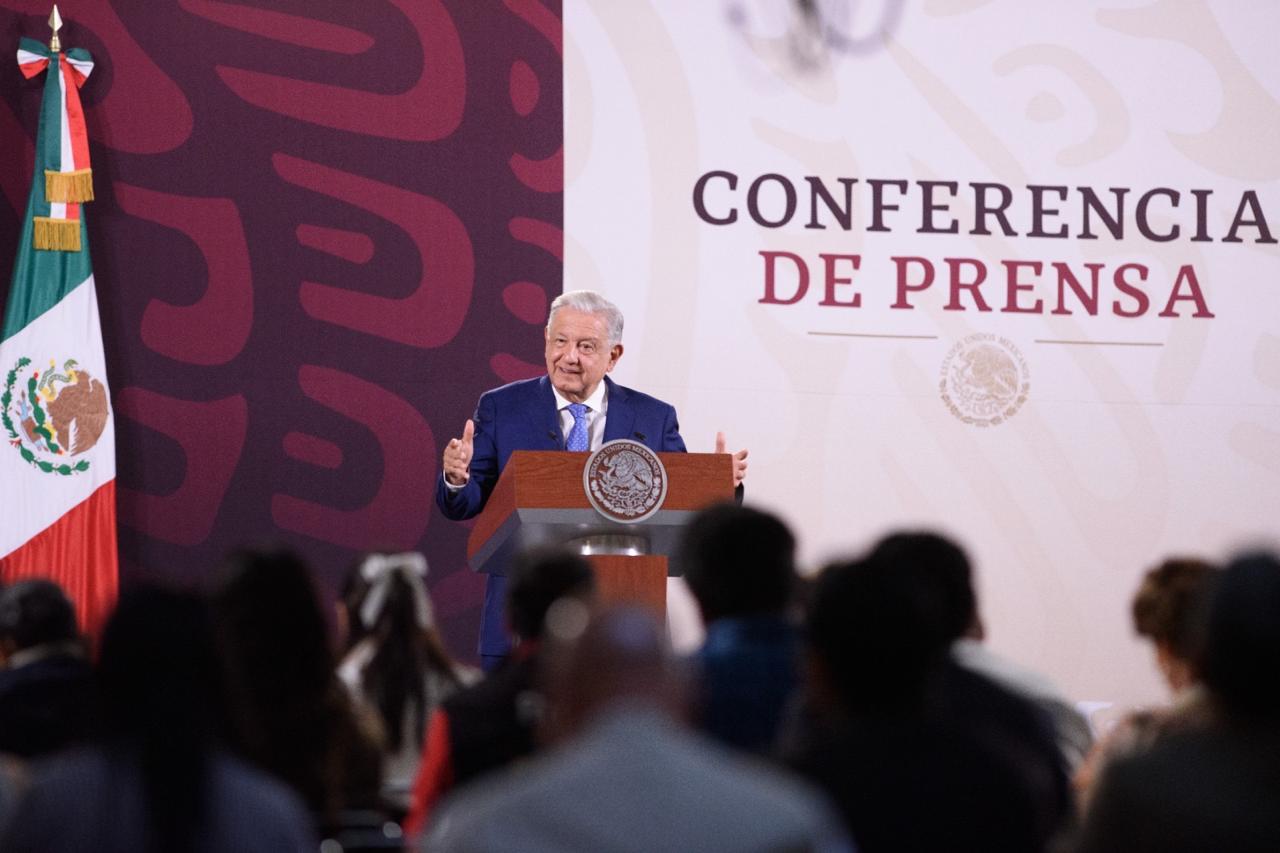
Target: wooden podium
[[540, 500]]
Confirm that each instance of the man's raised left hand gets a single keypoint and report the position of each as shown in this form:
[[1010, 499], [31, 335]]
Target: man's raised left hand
[[739, 460]]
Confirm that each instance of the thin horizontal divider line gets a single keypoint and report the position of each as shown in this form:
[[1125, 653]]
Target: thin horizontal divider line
[[1102, 343], [870, 335]]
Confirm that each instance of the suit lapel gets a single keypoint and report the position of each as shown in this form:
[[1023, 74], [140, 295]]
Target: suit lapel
[[544, 419], [621, 415]]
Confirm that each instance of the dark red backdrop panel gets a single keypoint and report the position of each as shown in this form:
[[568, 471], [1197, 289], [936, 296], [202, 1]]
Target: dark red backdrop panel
[[322, 228]]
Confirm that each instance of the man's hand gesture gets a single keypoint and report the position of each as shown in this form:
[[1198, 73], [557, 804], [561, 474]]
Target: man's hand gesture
[[739, 460], [457, 457]]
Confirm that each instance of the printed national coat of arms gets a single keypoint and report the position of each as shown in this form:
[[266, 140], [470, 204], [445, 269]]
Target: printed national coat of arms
[[53, 415]]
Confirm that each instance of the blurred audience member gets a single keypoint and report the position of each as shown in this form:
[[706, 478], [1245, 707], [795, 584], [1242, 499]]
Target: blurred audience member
[[944, 564], [395, 661], [918, 752], [159, 780], [740, 566], [1169, 609], [488, 726], [290, 715], [625, 775], [46, 682], [1213, 787]]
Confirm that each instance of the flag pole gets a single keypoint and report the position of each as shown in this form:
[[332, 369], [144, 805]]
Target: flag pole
[[57, 435]]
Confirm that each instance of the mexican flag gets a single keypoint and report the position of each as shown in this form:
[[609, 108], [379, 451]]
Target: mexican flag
[[57, 441]]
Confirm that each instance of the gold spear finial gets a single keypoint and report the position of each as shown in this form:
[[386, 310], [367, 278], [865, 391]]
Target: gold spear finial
[[55, 23]]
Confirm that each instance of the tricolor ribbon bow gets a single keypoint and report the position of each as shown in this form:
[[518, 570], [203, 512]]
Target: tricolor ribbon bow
[[62, 142]]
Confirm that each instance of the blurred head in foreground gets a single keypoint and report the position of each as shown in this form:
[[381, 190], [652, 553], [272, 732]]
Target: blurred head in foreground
[[290, 714], [1169, 609], [540, 578], [162, 700], [34, 613], [738, 561], [944, 579], [877, 630], [617, 657], [1242, 645]]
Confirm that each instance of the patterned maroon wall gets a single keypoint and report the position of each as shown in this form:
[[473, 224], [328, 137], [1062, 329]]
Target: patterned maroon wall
[[322, 228]]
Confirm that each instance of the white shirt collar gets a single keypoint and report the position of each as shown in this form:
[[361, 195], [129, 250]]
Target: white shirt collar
[[594, 403]]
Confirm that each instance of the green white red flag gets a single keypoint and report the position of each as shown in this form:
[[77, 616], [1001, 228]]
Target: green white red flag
[[57, 459]]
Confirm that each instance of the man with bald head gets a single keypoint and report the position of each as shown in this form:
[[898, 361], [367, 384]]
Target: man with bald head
[[575, 407], [624, 773]]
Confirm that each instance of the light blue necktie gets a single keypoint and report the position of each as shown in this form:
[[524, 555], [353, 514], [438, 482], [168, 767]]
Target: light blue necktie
[[578, 434]]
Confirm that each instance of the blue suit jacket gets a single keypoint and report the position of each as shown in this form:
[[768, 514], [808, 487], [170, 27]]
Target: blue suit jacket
[[523, 416]]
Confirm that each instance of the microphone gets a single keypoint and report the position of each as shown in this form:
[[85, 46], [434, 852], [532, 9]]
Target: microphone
[[639, 436]]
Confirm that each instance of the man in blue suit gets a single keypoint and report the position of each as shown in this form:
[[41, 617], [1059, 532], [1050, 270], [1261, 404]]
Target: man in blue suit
[[574, 407]]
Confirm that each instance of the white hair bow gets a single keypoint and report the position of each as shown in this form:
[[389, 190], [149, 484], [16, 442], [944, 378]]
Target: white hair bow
[[379, 570]]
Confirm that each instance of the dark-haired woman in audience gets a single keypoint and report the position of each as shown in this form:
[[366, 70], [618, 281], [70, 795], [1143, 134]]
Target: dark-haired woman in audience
[[1169, 610], [160, 779], [1214, 786], [290, 714], [395, 662]]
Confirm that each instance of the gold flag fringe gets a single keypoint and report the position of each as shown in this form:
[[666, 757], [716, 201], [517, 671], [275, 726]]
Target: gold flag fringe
[[56, 235], [68, 187]]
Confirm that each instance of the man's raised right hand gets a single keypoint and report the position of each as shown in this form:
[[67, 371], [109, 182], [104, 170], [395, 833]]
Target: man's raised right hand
[[457, 456]]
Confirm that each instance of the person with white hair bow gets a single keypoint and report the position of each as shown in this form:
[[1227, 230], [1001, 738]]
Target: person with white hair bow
[[394, 660]]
